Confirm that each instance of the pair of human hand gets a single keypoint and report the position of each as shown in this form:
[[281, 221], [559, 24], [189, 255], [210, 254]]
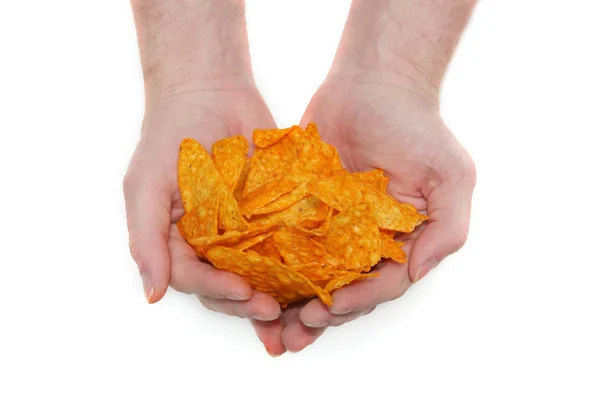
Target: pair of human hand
[[392, 127]]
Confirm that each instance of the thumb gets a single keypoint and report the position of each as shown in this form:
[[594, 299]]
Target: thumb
[[449, 211], [148, 207]]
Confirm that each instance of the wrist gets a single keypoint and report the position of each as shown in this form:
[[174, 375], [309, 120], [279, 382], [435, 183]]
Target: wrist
[[372, 50], [405, 43], [192, 46], [393, 71]]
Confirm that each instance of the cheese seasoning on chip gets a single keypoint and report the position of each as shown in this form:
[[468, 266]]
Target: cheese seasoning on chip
[[290, 220], [267, 275]]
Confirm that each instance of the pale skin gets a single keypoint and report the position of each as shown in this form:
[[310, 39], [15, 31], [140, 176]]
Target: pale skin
[[378, 105]]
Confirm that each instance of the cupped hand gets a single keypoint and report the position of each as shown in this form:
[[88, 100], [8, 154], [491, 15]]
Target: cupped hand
[[400, 131], [208, 113]]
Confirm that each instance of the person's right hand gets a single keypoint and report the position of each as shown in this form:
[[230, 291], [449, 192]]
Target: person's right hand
[[216, 110], [198, 83]]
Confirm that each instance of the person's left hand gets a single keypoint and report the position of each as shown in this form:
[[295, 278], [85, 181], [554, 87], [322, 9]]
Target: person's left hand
[[400, 131]]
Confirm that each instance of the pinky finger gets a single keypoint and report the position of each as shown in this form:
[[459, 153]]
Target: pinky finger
[[296, 336], [269, 333]]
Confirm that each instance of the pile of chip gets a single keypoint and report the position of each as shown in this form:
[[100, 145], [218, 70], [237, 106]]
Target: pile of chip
[[290, 220]]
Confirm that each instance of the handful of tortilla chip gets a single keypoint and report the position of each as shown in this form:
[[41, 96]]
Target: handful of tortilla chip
[[290, 220]]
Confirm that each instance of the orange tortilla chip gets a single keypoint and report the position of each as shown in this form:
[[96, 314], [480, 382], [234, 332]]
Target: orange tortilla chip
[[319, 230], [246, 244], [341, 281], [306, 208], [313, 155], [270, 164], [314, 221], [298, 230], [318, 273], [336, 161], [297, 249], [392, 249], [293, 149], [330, 151], [230, 216], [341, 191], [354, 239], [199, 180], [385, 232], [267, 248], [239, 188], [230, 238], [321, 275], [269, 193], [312, 132], [285, 201], [229, 156], [201, 221], [197, 176], [268, 137], [393, 215], [267, 275], [374, 178]]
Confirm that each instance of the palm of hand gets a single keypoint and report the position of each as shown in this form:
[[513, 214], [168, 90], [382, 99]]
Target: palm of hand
[[154, 203], [400, 132]]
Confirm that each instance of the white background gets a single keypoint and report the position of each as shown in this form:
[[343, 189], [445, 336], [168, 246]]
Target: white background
[[514, 315]]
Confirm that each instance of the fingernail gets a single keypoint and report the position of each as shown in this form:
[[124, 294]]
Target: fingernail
[[148, 286], [341, 311], [259, 317], [272, 354], [425, 268], [316, 324], [236, 296]]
